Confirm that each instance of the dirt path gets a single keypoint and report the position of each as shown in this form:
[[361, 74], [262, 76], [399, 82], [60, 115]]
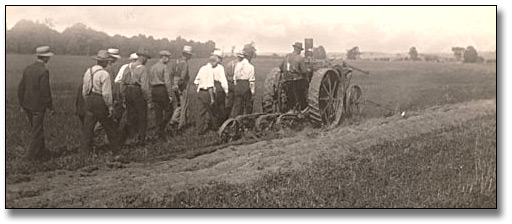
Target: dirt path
[[116, 184]]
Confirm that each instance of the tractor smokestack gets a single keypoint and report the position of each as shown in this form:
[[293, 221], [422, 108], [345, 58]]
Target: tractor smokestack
[[308, 46]]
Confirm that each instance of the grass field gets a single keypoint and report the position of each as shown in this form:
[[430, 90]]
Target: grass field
[[418, 178], [457, 170]]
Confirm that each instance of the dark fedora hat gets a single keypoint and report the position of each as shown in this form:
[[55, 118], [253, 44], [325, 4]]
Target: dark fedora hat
[[298, 45], [143, 52]]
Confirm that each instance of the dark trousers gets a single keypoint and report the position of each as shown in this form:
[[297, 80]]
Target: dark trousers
[[296, 92], [219, 107], [229, 99], [36, 148], [137, 109], [241, 92], [96, 110], [248, 103], [162, 108], [205, 110]]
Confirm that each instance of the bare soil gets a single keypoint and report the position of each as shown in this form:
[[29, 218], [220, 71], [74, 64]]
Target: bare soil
[[116, 184]]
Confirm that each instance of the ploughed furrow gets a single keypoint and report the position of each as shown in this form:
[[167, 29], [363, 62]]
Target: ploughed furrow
[[233, 164]]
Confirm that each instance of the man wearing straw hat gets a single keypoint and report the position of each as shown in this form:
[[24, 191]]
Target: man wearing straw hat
[[135, 88], [294, 69], [221, 90], [114, 67], [97, 93], [161, 92], [181, 78], [35, 98]]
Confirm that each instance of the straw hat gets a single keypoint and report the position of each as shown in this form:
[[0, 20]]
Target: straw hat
[[134, 56], [218, 53], [188, 50], [240, 54], [44, 51], [102, 55], [114, 52]]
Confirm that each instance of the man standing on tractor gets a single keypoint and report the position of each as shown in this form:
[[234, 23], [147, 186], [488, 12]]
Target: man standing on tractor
[[295, 71]]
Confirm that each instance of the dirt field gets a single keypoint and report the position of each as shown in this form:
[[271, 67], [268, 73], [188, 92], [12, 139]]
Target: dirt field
[[113, 183], [440, 99]]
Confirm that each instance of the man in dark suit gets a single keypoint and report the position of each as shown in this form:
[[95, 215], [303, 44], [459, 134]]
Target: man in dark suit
[[35, 98]]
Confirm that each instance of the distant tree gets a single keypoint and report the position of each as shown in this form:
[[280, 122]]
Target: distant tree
[[470, 55], [458, 52], [353, 54], [250, 50], [79, 39], [413, 54], [319, 52]]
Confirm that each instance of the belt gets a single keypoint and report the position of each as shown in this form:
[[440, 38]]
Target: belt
[[240, 80], [134, 84], [158, 85], [95, 94], [203, 90]]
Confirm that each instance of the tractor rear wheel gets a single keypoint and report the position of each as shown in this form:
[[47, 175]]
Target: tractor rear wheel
[[325, 97]]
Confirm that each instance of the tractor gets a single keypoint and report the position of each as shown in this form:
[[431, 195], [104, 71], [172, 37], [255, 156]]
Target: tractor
[[330, 98]]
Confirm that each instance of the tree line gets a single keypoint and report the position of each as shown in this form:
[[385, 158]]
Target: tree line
[[79, 39], [466, 55]]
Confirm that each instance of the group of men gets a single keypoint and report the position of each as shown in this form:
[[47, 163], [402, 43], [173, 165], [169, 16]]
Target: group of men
[[118, 96], [224, 93]]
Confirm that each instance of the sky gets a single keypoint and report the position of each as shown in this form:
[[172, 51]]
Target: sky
[[391, 29]]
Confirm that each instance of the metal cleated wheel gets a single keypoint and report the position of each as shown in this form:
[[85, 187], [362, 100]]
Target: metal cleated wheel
[[353, 100], [325, 97], [230, 130]]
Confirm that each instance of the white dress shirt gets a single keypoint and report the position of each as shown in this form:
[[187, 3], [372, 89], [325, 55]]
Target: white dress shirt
[[205, 78], [220, 76], [244, 71]]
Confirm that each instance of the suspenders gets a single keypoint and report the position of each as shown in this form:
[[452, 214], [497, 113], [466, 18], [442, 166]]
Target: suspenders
[[92, 79]]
